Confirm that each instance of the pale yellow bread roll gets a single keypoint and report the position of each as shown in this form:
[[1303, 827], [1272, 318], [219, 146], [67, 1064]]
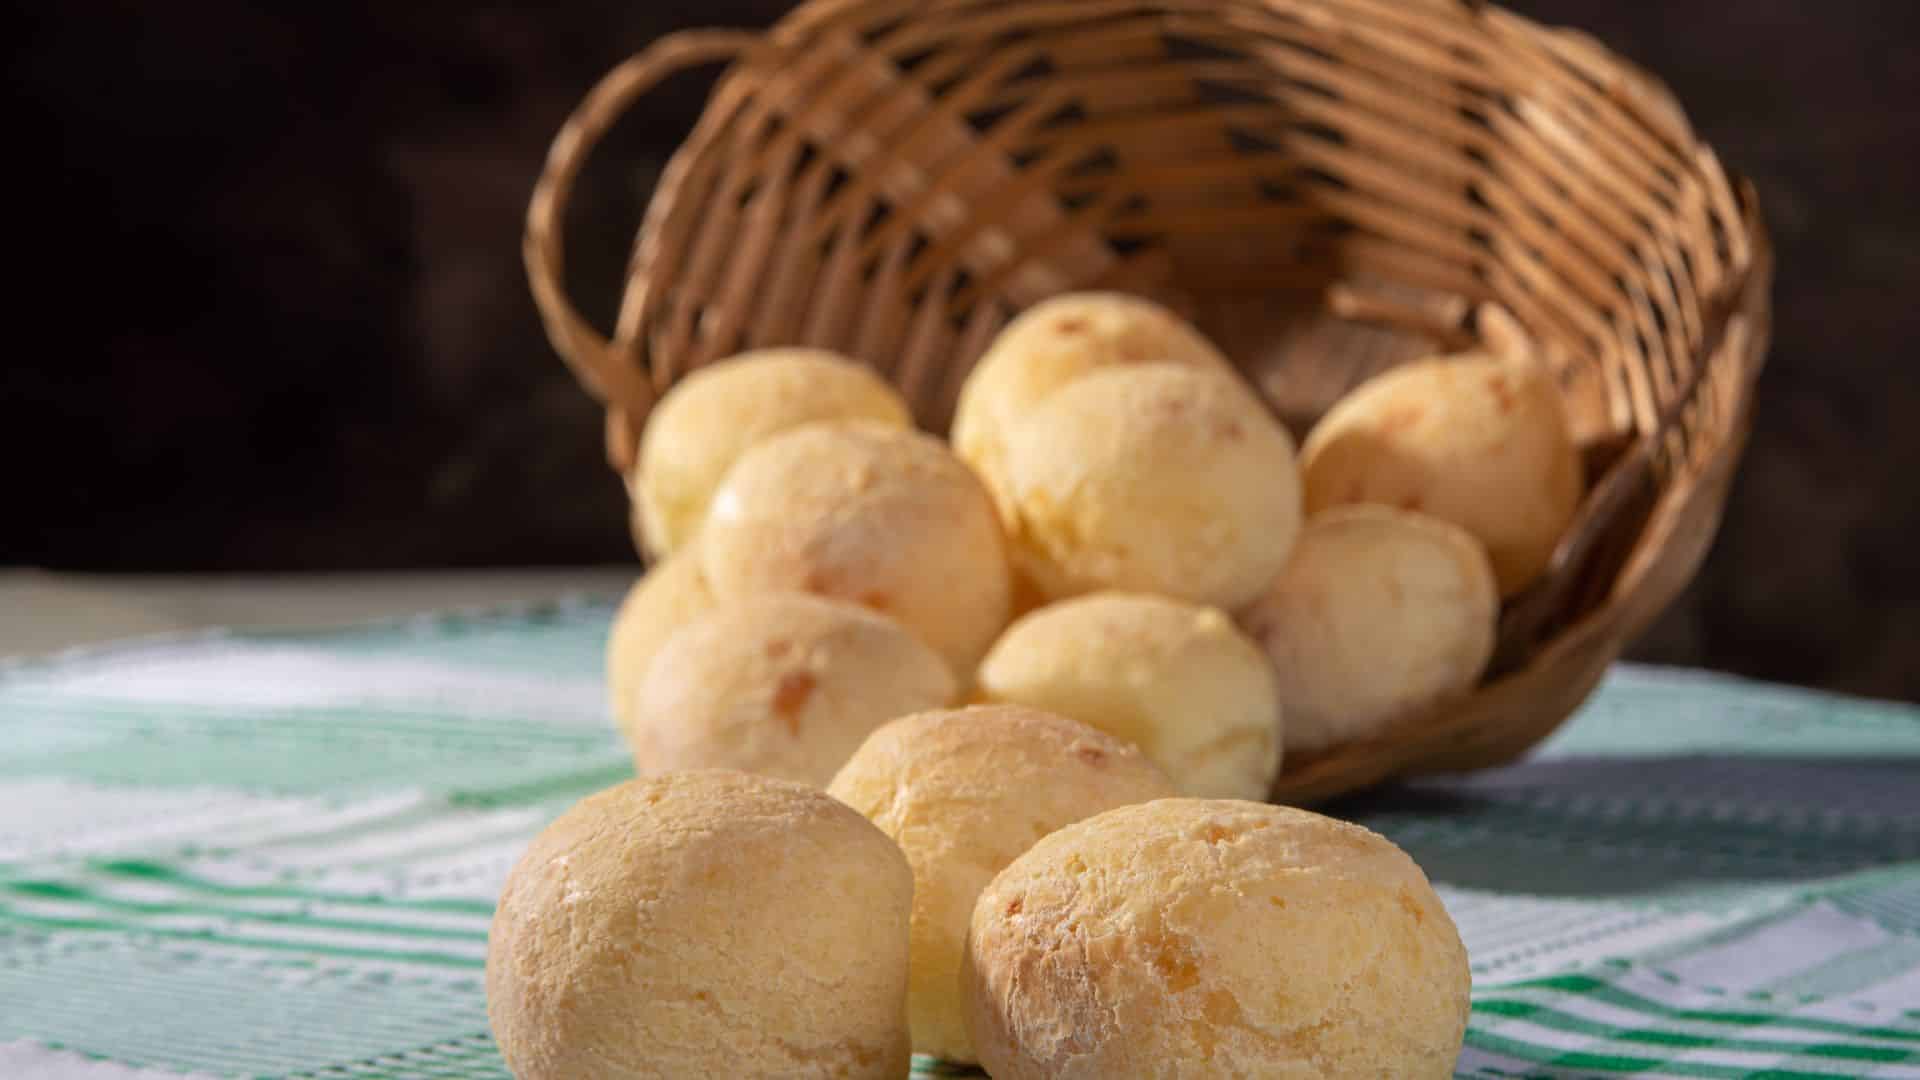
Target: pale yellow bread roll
[[1198, 938], [718, 412], [1051, 345], [671, 595], [964, 793], [1379, 613], [703, 924], [1154, 479], [784, 685], [881, 517], [1178, 680], [1480, 442]]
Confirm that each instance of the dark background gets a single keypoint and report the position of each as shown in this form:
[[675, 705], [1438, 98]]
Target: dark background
[[275, 317]]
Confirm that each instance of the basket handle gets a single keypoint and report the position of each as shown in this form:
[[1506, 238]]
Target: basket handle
[[587, 351]]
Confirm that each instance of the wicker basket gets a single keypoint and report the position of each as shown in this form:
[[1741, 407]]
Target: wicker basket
[[1327, 187]]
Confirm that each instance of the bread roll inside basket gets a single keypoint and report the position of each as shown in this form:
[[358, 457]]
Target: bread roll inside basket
[[1327, 188]]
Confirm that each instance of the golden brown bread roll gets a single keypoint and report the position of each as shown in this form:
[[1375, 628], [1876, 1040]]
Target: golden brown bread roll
[[1176, 679], [718, 412], [1050, 346], [1479, 442], [963, 793], [1195, 938], [671, 595], [703, 924], [877, 516], [1156, 479], [784, 685], [1378, 614]]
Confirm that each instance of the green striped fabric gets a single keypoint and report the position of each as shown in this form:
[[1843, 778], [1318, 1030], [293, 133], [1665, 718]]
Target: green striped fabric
[[277, 855]]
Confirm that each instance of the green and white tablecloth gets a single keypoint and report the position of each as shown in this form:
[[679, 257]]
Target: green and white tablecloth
[[276, 855]]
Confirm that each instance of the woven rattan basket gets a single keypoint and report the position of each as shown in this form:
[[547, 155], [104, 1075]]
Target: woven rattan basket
[[1327, 187]]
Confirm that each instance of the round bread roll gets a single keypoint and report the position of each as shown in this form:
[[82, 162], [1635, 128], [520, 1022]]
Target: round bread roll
[[1379, 613], [718, 412], [703, 924], [1480, 442], [1153, 479], [671, 595], [782, 685], [1198, 938], [1177, 680], [964, 793], [881, 517], [1053, 344]]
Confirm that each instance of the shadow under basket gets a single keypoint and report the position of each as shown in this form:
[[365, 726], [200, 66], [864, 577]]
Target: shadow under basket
[[1325, 187]]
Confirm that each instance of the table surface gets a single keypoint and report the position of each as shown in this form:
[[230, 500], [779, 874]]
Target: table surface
[[275, 852], [43, 612]]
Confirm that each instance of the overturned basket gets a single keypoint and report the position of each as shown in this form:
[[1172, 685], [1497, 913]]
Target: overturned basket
[[1327, 187]]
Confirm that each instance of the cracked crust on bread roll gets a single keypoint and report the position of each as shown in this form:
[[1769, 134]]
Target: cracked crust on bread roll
[[963, 793], [703, 924], [1177, 679], [1480, 442], [720, 411], [671, 595], [1380, 613], [1205, 938], [784, 685], [1158, 479], [876, 516], [1050, 346]]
